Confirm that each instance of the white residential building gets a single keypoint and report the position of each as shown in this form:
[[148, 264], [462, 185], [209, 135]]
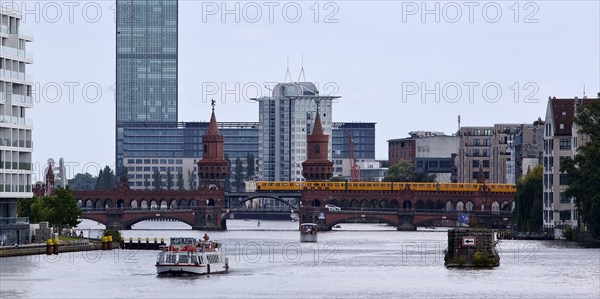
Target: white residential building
[[15, 128]]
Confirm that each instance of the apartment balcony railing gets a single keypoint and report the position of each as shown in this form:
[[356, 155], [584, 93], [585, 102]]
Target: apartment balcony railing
[[16, 120], [16, 165], [16, 99], [12, 52], [14, 220], [15, 188]]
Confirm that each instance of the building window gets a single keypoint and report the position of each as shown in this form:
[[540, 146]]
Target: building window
[[475, 152], [565, 143], [475, 163], [565, 215], [317, 149], [486, 163], [562, 179], [563, 198]]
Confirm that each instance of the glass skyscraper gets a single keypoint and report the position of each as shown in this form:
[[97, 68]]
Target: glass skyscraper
[[146, 68]]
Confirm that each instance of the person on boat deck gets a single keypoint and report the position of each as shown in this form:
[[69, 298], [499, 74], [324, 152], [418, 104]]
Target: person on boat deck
[[205, 237]]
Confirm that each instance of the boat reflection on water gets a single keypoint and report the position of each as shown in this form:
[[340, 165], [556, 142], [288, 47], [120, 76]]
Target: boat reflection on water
[[308, 232]]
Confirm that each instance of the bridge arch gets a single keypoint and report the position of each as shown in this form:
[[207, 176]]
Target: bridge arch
[[183, 203], [163, 204], [439, 205], [469, 205], [144, 204], [420, 205], [383, 204], [108, 203], [173, 205], [316, 203], [263, 196], [429, 204], [364, 204], [374, 204], [407, 205], [354, 217], [344, 203], [153, 204], [142, 217], [334, 202], [449, 206], [495, 206], [98, 204], [120, 203], [460, 205], [133, 204], [354, 204], [210, 202], [393, 204], [89, 204]]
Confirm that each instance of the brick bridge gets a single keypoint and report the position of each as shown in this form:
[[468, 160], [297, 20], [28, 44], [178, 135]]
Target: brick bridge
[[209, 209], [407, 209]]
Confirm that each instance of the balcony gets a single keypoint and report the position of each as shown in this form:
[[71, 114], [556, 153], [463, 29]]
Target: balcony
[[16, 166], [14, 220], [15, 188], [16, 99], [16, 120], [16, 54], [15, 75]]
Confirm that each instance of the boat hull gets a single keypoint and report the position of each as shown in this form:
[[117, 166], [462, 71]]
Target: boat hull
[[203, 269], [308, 237]]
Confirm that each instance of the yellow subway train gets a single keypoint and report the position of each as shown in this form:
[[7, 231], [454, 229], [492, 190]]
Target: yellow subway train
[[383, 186]]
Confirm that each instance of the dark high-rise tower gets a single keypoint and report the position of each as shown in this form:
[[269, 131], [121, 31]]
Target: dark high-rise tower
[[146, 69]]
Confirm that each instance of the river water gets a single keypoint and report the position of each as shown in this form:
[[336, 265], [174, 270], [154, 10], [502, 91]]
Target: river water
[[268, 261]]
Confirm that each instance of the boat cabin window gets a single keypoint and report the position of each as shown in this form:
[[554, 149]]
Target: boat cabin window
[[194, 259], [171, 258], [184, 259]]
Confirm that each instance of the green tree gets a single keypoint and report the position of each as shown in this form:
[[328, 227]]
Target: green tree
[[82, 181], [528, 201], [582, 171], [238, 179], [227, 183], [60, 209], [169, 179], [404, 171], [106, 179], [125, 174], [250, 168], [192, 179], [157, 180], [180, 183]]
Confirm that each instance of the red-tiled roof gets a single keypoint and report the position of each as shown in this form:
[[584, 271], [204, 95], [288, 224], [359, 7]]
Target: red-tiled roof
[[562, 114]]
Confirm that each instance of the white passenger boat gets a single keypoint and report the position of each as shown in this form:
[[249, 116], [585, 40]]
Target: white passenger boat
[[187, 256], [308, 232]]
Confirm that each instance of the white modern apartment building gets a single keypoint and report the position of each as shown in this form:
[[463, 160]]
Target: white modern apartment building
[[15, 128], [285, 119]]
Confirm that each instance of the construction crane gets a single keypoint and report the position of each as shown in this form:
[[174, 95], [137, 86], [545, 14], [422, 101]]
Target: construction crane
[[354, 169]]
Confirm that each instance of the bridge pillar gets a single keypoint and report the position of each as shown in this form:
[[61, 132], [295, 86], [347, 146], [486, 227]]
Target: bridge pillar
[[406, 222], [208, 219], [114, 219]]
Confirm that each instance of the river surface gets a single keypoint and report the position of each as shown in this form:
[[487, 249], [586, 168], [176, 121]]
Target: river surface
[[268, 261]]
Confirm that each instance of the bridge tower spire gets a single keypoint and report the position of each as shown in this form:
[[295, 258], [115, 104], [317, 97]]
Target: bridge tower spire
[[317, 166], [212, 169]]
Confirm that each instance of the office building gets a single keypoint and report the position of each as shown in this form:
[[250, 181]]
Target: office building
[[363, 144], [430, 152], [16, 145], [176, 147], [285, 120], [146, 64], [486, 148]]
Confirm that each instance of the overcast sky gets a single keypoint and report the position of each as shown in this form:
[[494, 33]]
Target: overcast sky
[[384, 58]]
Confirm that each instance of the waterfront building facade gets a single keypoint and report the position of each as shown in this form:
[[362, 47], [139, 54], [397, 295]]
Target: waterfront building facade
[[561, 140], [177, 147], [430, 152], [146, 65], [486, 148], [285, 120], [363, 142], [16, 144]]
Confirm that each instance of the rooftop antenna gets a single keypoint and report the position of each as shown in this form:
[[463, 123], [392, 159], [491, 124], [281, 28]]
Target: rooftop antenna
[[584, 91], [287, 72], [459, 124], [302, 71]]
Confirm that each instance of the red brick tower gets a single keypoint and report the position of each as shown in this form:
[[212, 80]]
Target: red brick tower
[[49, 188], [317, 167], [212, 169]]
